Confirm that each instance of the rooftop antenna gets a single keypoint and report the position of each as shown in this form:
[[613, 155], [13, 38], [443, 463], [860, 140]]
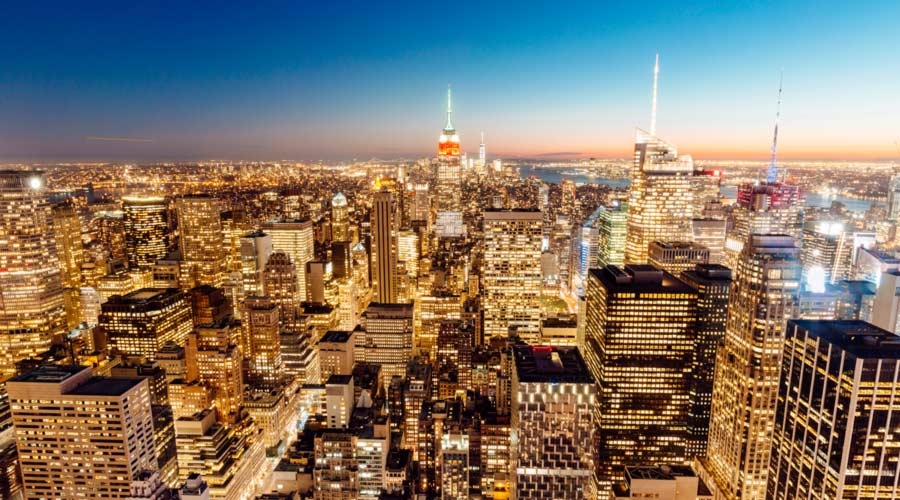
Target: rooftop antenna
[[773, 165], [449, 125], [653, 109]]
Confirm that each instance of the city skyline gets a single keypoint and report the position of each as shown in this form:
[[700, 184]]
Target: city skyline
[[337, 84]]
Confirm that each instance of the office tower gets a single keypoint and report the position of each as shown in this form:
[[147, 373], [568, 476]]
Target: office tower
[[661, 194], [835, 411], [389, 337], [348, 304], [430, 311], [216, 362], [408, 251], [255, 249], [764, 208], [826, 255], [455, 343], [67, 232], [32, 307], [661, 482], [449, 173], [228, 455], [294, 237], [710, 233], [142, 322], [146, 222], [421, 202], [712, 282], [639, 339], [209, 305], [611, 235], [111, 234], [81, 436], [384, 247], [341, 259], [202, 240], [261, 345], [338, 400], [337, 353], [416, 391], [299, 357], [512, 273], [553, 423], [340, 219], [316, 277], [588, 242], [893, 204], [280, 285], [454, 464], [764, 295], [677, 256]]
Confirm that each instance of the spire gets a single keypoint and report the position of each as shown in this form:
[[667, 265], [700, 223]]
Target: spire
[[482, 137], [773, 166], [449, 125], [653, 109]]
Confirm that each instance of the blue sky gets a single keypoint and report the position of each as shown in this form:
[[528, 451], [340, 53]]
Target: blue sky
[[341, 80]]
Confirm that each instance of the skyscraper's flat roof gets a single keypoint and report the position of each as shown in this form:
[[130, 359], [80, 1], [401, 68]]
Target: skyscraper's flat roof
[[857, 337], [551, 364]]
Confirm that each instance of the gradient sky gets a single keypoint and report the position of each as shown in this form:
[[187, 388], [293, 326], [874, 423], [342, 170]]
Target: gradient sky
[[341, 80]]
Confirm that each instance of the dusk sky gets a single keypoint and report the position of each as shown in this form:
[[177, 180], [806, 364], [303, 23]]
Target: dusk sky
[[343, 80]]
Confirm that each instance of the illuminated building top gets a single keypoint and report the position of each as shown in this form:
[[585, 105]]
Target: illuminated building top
[[448, 143]]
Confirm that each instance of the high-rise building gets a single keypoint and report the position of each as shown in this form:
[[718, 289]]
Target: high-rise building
[[340, 218], [262, 345], [677, 256], [67, 231], [449, 171], [710, 233], [280, 285], [255, 249], [834, 413], [337, 353], [202, 240], [712, 283], [764, 295], [512, 273], [611, 234], [454, 464], [294, 237], [389, 338], [142, 322], [553, 426], [32, 308], [763, 208], [215, 361], [80, 436], [146, 221], [639, 340], [827, 250], [384, 247]]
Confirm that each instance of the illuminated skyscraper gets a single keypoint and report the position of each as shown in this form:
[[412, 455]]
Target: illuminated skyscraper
[[639, 342], [836, 406], [280, 285], [677, 256], [262, 345], [612, 227], [255, 249], [712, 283], [553, 426], [141, 322], [826, 254], [80, 436], [449, 173], [295, 238], [31, 290], [763, 209], [662, 191], [710, 233], [512, 273], [146, 221], [202, 240], [340, 218], [389, 338], [67, 232], [764, 295], [384, 247]]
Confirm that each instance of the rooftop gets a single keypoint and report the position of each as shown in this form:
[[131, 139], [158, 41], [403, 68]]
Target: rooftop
[[336, 337], [639, 278], [103, 386], [551, 364], [857, 337]]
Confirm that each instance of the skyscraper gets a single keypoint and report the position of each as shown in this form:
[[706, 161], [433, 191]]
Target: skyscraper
[[639, 340], [662, 191], [262, 345], [764, 295], [141, 322], [835, 409], [512, 273], [612, 229], [384, 247], [31, 291], [677, 256], [280, 285], [146, 222], [81, 436], [202, 240], [340, 218], [712, 282], [553, 423], [389, 338], [448, 164], [295, 238]]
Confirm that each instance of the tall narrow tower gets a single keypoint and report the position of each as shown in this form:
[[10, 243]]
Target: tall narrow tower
[[384, 247], [449, 170], [482, 153], [31, 291], [146, 230], [662, 201]]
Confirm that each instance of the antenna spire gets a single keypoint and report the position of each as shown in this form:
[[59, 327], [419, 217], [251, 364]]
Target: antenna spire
[[653, 109], [449, 125], [773, 165]]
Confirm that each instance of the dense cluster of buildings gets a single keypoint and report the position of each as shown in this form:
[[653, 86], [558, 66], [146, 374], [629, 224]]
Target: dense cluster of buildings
[[448, 330]]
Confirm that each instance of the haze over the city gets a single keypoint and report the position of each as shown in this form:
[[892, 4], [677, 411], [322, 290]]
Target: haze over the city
[[307, 81]]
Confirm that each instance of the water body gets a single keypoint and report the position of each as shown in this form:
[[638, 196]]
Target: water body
[[556, 176]]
